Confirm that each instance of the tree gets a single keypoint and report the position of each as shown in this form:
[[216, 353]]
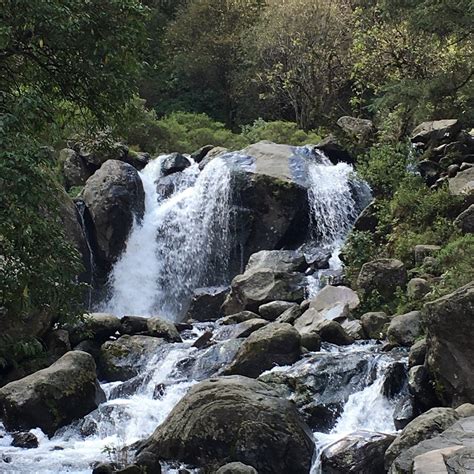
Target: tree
[[302, 57]]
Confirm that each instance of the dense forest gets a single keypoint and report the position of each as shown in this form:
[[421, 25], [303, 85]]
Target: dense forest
[[143, 78]]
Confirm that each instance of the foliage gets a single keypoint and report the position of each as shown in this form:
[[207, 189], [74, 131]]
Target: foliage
[[279, 132]]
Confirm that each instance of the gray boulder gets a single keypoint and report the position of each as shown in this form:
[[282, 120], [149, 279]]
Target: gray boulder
[[290, 315], [206, 304], [273, 345], [423, 251], [450, 353], [159, 327], [96, 326], [436, 131], [375, 325], [239, 317], [465, 220], [246, 328], [362, 129], [331, 296], [462, 183], [271, 311], [52, 397], [333, 332], [353, 329], [75, 170], [174, 163], [361, 452], [418, 288], [236, 468], [404, 329], [235, 419], [277, 261], [425, 426], [384, 275], [114, 197], [417, 353], [124, 358]]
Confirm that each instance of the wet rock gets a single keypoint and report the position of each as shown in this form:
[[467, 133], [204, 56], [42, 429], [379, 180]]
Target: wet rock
[[436, 131], [104, 468], [334, 151], [316, 257], [213, 153], [52, 397], [159, 327], [367, 220], [206, 304], [321, 384], [259, 285], [435, 453], [360, 452], [200, 154], [404, 412], [204, 340], [236, 468], [418, 288], [394, 380], [248, 327], [174, 163], [333, 332], [404, 329], [290, 315], [384, 275], [239, 317], [273, 345], [114, 197], [450, 353], [24, 439], [417, 353], [122, 359], [421, 388], [132, 325], [237, 419], [271, 311], [465, 220], [130, 469], [149, 463], [311, 341], [425, 426], [423, 251], [353, 329], [429, 171], [375, 325], [462, 183]]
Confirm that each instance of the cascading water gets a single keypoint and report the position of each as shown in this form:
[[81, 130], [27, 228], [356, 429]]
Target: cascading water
[[182, 242]]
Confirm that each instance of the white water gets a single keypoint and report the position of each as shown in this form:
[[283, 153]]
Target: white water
[[181, 241]]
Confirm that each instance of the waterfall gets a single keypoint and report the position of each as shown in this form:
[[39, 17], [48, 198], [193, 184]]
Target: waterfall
[[181, 243]]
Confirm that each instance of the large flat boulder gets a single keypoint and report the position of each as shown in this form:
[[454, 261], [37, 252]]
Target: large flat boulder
[[52, 397], [235, 419], [436, 131], [114, 197], [450, 353]]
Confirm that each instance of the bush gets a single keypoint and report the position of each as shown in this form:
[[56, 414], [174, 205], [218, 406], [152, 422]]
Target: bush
[[279, 132]]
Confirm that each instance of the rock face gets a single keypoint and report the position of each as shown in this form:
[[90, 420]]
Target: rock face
[[404, 329], [426, 426], [450, 352], [52, 397], [235, 419], [114, 197], [465, 220], [384, 275], [272, 345], [359, 452], [123, 358], [264, 280]]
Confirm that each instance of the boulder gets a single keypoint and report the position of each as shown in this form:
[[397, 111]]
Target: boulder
[[58, 343], [159, 327], [353, 329], [52, 397], [271, 311], [418, 288], [367, 220], [383, 275], [334, 151], [290, 315], [465, 410], [258, 286], [137, 159], [394, 379], [404, 412], [200, 154], [437, 454], [75, 170], [174, 163], [206, 304], [236, 468], [236, 419], [333, 332], [248, 327], [421, 388], [462, 183], [124, 358], [214, 152], [425, 426], [358, 452], [362, 129], [277, 261], [404, 329], [417, 353], [321, 384], [311, 341], [375, 325], [435, 132], [238, 318], [308, 322], [331, 296], [24, 439], [465, 220], [423, 251], [132, 325], [450, 353], [273, 345], [114, 198], [96, 326], [429, 171]]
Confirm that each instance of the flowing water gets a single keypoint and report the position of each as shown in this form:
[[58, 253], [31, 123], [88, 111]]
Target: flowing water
[[183, 242]]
